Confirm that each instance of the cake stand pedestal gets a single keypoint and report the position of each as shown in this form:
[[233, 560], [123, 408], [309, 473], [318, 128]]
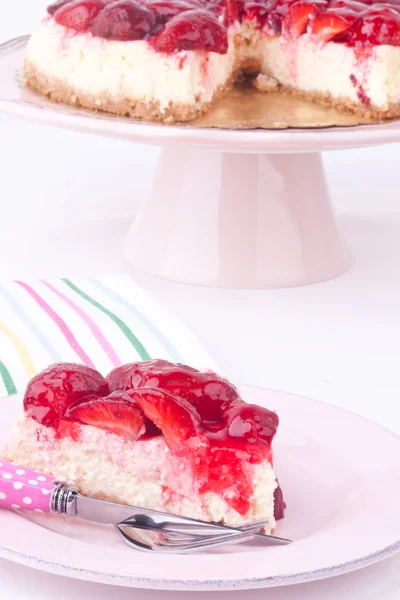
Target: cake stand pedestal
[[241, 220], [228, 208]]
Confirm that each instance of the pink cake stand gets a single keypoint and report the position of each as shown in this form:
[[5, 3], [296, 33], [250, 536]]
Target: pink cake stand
[[228, 208]]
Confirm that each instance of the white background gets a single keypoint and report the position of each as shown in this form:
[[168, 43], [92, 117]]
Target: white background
[[66, 202]]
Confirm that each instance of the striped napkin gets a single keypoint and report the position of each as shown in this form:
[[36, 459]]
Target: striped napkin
[[101, 322]]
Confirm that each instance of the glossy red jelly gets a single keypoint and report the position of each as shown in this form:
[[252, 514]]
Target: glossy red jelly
[[197, 29], [52, 391], [174, 25], [200, 415], [123, 20]]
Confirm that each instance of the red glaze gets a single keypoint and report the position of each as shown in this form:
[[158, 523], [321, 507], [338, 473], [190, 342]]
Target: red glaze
[[200, 415], [252, 423], [50, 393], [378, 26], [164, 10], [124, 20], [257, 12], [192, 30], [352, 5], [361, 93], [79, 14]]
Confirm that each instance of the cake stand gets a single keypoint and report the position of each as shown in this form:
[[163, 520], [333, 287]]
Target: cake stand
[[228, 208]]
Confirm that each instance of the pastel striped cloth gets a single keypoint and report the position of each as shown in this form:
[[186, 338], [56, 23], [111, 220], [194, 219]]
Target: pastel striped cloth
[[101, 322]]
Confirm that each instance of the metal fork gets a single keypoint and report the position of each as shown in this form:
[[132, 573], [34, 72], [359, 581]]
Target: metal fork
[[148, 538]]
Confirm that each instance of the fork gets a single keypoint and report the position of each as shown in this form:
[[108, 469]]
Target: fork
[[151, 537], [151, 540]]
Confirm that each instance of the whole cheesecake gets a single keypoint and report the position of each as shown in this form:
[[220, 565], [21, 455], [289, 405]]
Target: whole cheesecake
[[168, 60], [155, 435]]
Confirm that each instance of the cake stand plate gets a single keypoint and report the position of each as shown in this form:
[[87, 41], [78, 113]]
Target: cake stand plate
[[228, 208]]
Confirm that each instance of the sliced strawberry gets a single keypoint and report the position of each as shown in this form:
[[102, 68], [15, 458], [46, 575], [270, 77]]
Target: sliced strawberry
[[177, 419], [325, 26], [299, 16], [192, 30], [79, 14], [113, 413]]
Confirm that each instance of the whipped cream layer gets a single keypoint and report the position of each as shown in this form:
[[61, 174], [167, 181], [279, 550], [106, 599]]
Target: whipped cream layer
[[131, 70], [146, 473]]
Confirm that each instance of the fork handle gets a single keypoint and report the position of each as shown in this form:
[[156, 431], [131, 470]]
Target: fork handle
[[21, 487]]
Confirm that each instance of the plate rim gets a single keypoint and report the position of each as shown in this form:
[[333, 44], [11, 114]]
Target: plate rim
[[255, 582]]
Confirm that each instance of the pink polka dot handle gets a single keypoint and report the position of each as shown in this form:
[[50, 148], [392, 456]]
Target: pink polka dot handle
[[21, 487]]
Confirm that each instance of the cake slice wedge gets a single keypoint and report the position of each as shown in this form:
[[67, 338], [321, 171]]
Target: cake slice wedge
[[153, 434]]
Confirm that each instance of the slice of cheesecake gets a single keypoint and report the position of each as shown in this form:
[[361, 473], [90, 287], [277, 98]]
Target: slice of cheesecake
[[153, 434]]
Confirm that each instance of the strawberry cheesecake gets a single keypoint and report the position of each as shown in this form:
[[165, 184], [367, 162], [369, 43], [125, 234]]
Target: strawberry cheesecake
[[168, 60], [155, 435]]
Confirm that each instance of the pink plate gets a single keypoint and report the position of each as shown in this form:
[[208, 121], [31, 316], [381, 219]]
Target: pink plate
[[341, 477]]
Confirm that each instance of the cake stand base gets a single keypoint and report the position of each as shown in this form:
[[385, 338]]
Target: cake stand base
[[238, 220]]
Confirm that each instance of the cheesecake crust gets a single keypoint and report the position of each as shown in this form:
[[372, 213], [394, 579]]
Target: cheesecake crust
[[60, 92]]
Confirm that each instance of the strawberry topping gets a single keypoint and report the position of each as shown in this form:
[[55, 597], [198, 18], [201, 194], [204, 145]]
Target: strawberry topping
[[124, 20], [252, 423], [332, 23], [200, 415], [177, 419], [209, 393], [50, 393], [79, 14], [192, 30], [176, 25], [114, 413], [376, 27], [299, 16]]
